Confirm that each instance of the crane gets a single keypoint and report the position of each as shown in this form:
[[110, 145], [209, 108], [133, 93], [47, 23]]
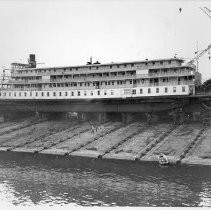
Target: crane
[[199, 55], [206, 10]]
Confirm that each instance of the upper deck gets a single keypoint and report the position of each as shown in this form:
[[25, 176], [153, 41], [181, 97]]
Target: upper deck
[[99, 68]]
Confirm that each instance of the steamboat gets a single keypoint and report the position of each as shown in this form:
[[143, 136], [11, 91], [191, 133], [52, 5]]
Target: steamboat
[[141, 86]]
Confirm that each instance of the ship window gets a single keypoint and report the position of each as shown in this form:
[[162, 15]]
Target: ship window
[[97, 67], [183, 89], [174, 89], [47, 93], [72, 94], [58, 85], [112, 83], [9, 94], [65, 93], [88, 84], [30, 93], [169, 62], [117, 82], [105, 83], [60, 93], [42, 94], [134, 91], [0, 94], [130, 81], [117, 66], [80, 84], [145, 64], [153, 63], [85, 93], [20, 94], [79, 93], [141, 91], [54, 93], [91, 93], [125, 65], [157, 90], [166, 90], [109, 83], [14, 94], [110, 67], [98, 92], [149, 90], [161, 62], [132, 65], [4, 94], [36, 93], [112, 92], [76, 69], [25, 94], [105, 93]]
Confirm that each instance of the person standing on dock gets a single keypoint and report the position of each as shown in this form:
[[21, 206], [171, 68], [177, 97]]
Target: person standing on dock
[[92, 128]]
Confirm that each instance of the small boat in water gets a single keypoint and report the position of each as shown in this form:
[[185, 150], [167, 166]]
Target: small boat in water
[[162, 159]]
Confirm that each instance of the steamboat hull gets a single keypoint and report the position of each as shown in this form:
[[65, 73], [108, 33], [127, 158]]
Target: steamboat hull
[[143, 105]]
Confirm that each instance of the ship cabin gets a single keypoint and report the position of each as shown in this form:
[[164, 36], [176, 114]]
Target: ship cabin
[[159, 77]]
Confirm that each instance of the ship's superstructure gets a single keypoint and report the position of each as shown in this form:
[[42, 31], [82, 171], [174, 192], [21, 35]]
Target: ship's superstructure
[[161, 77]]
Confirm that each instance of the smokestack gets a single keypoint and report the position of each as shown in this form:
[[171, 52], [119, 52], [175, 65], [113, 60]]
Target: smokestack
[[32, 61]]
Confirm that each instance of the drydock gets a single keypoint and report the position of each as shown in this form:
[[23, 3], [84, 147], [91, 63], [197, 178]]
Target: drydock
[[186, 143]]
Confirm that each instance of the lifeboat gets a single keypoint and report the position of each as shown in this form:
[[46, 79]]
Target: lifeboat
[[162, 159]]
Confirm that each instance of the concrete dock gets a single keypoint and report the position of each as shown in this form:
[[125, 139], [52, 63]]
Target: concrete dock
[[187, 143]]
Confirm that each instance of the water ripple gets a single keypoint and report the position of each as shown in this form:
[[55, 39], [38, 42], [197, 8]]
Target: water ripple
[[38, 183]]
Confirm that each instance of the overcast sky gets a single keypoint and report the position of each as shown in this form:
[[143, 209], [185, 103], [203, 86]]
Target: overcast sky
[[69, 32]]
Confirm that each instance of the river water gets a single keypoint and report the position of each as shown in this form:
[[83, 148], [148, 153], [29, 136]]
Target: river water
[[38, 180]]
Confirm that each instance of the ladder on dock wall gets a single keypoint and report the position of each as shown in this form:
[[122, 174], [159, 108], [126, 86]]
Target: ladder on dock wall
[[65, 139], [24, 126], [123, 141], [36, 139], [191, 145], [93, 140], [154, 143]]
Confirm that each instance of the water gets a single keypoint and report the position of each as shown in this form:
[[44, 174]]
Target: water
[[35, 180]]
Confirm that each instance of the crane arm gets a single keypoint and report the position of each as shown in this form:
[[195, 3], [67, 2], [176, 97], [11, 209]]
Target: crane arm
[[199, 55], [206, 11]]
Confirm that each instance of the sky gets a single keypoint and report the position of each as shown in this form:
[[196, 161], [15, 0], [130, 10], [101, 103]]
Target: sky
[[68, 32]]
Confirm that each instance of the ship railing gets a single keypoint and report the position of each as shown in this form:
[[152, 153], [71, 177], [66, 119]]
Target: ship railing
[[187, 73], [94, 69], [99, 87], [103, 78], [28, 81]]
